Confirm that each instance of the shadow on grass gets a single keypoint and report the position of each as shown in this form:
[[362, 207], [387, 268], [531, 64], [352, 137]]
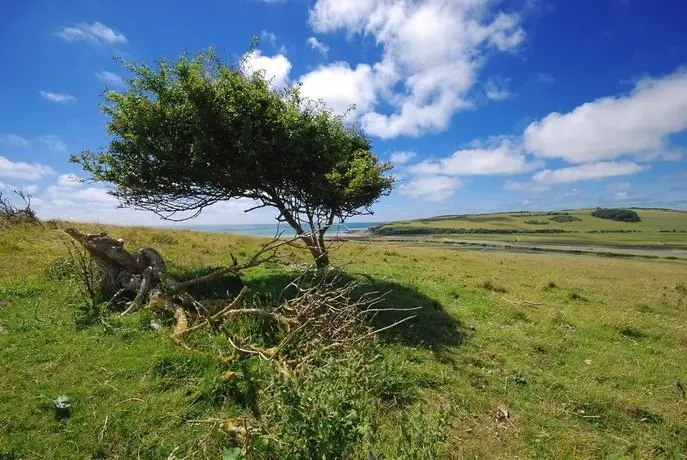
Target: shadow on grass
[[432, 327]]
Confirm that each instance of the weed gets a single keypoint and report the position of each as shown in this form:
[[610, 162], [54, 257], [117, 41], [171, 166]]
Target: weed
[[491, 286], [577, 297], [629, 331], [164, 238]]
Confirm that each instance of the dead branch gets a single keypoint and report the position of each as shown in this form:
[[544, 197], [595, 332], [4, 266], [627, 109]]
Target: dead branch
[[142, 295], [247, 351], [214, 317], [522, 303]]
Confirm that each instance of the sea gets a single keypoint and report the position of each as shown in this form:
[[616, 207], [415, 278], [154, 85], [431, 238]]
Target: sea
[[274, 229]]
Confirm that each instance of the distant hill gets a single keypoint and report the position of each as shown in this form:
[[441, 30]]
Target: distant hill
[[656, 227]]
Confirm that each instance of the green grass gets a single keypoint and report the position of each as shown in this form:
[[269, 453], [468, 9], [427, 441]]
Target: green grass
[[654, 230], [585, 371]]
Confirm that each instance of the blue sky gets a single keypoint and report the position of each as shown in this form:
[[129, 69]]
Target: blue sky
[[481, 105]]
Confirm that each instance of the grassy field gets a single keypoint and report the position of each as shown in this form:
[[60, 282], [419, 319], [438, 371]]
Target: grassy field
[[658, 228], [512, 355]]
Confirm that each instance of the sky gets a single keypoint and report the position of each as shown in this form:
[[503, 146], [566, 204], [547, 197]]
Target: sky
[[481, 105]]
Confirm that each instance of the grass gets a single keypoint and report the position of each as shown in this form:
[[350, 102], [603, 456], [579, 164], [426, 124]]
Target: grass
[[658, 228], [589, 373]]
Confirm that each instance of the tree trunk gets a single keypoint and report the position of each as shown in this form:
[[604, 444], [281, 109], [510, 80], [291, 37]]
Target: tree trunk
[[119, 269], [318, 251], [319, 254]]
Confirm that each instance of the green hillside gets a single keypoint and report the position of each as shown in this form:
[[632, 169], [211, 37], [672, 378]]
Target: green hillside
[[510, 356], [657, 227]]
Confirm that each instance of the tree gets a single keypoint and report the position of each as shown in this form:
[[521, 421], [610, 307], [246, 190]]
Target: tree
[[620, 215], [194, 132]]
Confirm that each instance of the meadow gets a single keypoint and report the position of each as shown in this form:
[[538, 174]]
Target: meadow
[[657, 228], [511, 355]]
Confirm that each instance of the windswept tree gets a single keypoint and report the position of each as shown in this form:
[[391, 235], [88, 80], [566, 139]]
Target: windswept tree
[[194, 132]]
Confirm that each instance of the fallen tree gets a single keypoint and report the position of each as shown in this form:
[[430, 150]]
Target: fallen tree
[[316, 364], [323, 310]]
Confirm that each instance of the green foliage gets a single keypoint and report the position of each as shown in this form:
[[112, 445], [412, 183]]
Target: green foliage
[[489, 285], [586, 382], [620, 215], [195, 131], [537, 222], [321, 413], [564, 217]]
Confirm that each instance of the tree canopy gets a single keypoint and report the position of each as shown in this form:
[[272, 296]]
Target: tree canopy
[[193, 132], [620, 215]]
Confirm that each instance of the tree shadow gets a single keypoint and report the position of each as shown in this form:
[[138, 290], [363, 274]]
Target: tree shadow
[[431, 326], [224, 287]]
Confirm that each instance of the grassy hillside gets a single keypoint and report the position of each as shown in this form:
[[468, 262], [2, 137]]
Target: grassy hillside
[[512, 355], [657, 227]]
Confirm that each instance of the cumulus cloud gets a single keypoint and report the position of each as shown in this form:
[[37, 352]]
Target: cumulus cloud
[[96, 33], [57, 97], [431, 54], [275, 68], [70, 198], [400, 158], [431, 187], [110, 78], [340, 86], [13, 141], [589, 171], [496, 156], [635, 124], [318, 46], [23, 170]]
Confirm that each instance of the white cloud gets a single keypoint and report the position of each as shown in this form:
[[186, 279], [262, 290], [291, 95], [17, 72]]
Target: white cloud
[[431, 187], [69, 198], [620, 196], [95, 33], [23, 170], [589, 171], [54, 144], [497, 156], [269, 37], [69, 180], [400, 158], [315, 44], [13, 141], [31, 189], [496, 90], [620, 186], [110, 78], [431, 54], [57, 97], [340, 86], [275, 68], [636, 124]]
